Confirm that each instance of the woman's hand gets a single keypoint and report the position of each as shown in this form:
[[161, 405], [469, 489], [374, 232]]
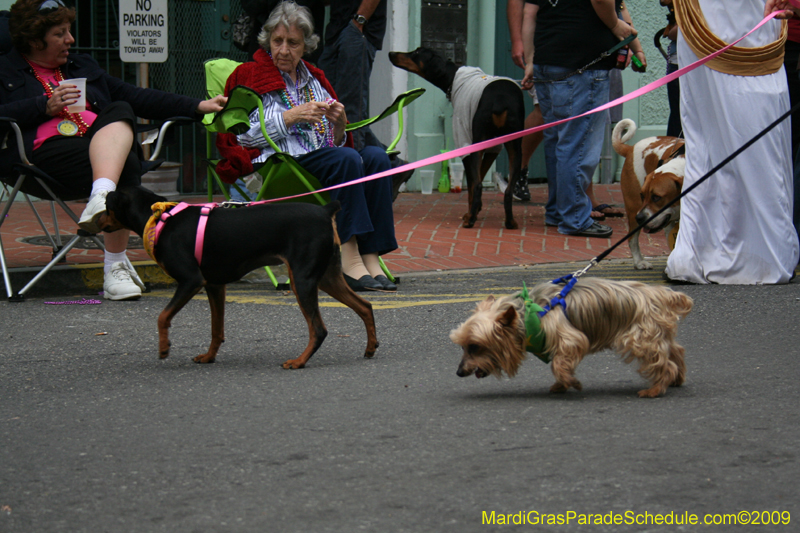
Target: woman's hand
[[640, 56], [212, 106], [338, 119], [786, 8], [622, 30], [308, 113], [63, 95]]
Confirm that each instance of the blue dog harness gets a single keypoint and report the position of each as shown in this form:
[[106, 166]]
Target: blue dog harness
[[534, 334]]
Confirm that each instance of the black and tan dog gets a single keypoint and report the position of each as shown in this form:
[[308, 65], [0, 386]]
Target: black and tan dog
[[235, 242], [498, 110]]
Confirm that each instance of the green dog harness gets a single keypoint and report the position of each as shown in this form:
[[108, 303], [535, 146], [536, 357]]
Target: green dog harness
[[534, 334]]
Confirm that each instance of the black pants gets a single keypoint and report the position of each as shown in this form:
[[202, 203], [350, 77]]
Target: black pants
[[66, 159]]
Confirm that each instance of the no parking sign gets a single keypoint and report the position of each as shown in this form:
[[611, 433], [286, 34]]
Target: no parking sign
[[143, 31]]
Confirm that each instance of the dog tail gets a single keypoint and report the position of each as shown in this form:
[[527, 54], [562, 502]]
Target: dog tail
[[623, 132], [332, 207], [679, 303]]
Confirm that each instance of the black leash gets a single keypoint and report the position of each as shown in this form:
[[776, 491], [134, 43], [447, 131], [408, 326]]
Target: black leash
[[683, 193]]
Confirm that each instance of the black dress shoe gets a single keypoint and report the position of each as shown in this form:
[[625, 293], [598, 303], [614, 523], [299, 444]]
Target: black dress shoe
[[595, 230], [385, 283], [364, 283]]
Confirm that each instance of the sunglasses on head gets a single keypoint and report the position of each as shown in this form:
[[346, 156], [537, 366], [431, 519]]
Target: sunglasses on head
[[48, 6]]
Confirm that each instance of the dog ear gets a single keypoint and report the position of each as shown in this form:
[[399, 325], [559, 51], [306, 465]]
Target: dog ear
[[508, 318]]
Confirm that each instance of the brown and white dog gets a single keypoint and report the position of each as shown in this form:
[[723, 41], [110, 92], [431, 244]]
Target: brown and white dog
[[638, 321], [652, 176]]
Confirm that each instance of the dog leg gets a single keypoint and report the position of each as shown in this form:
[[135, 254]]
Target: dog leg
[[472, 165], [638, 261], [564, 372], [307, 296], [334, 284], [656, 366], [216, 300], [676, 353], [514, 151], [183, 294]]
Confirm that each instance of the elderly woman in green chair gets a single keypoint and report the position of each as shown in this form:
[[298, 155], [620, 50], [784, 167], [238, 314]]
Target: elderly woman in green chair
[[303, 118], [92, 150]]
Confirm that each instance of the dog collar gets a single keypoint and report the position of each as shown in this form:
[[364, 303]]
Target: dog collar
[[153, 227], [534, 334]]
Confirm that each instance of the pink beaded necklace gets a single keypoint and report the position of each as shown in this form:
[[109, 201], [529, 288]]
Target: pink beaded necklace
[[72, 123]]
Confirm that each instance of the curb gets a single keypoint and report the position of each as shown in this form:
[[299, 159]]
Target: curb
[[88, 278]]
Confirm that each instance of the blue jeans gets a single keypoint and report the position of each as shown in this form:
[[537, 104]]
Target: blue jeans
[[348, 65], [572, 150]]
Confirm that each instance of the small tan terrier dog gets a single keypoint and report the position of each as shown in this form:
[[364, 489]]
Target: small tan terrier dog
[[637, 321]]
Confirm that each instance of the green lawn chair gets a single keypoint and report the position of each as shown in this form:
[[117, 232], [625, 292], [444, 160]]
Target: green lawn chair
[[282, 175]]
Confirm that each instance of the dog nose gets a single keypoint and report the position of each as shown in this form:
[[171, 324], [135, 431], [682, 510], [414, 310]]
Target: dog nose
[[640, 218], [461, 372]]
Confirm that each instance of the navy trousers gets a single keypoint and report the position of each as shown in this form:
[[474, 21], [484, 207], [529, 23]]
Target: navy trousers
[[366, 207]]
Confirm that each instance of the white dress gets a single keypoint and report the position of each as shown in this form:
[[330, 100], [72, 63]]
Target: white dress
[[736, 227]]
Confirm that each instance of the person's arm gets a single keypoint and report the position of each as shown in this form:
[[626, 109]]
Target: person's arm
[[787, 8], [367, 8], [635, 46], [607, 11], [528, 32], [514, 13]]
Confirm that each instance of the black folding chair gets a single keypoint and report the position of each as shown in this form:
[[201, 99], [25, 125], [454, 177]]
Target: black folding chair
[[26, 178]]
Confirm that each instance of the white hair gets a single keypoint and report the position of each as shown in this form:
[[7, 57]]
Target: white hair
[[289, 14]]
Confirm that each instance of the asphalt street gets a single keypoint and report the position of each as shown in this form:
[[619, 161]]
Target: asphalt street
[[98, 434]]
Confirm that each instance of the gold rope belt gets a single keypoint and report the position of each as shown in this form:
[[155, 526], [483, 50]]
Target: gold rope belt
[[740, 61]]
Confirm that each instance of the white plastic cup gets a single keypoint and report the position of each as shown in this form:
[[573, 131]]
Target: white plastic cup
[[80, 105], [456, 175], [426, 181]]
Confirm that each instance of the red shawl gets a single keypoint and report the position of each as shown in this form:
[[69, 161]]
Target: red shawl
[[262, 76]]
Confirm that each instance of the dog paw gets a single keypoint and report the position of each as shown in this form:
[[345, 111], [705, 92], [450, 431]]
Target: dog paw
[[643, 265], [163, 350], [559, 388], [467, 222], [512, 224], [653, 392], [204, 358], [293, 364]]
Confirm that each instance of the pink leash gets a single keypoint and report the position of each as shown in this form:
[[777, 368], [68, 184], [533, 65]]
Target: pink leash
[[511, 136], [206, 208]]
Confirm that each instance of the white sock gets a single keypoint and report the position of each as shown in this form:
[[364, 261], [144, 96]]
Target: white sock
[[110, 258], [103, 184]]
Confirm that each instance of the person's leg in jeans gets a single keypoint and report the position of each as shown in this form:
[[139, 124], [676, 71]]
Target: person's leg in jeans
[[543, 92], [579, 141], [348, 65]]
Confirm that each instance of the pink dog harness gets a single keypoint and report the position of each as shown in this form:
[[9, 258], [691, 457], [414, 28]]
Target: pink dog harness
[[205, 209]]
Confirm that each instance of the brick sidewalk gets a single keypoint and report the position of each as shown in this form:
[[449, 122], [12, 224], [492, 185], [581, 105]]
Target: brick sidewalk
[[428, 228]]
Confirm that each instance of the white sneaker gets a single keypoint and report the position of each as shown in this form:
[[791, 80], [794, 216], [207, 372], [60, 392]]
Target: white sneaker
[[502, 184], [95, 207], [118, 284]]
